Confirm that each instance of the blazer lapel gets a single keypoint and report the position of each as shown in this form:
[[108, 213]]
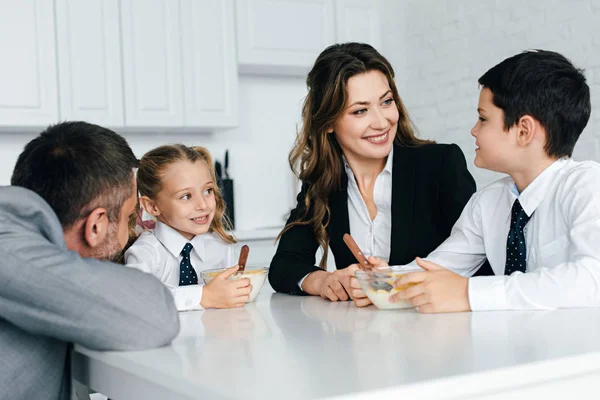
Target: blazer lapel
[[339, 224], [403, 196]]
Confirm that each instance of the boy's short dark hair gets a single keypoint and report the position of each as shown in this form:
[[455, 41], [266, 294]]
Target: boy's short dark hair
[[545, 85], [77, 167]]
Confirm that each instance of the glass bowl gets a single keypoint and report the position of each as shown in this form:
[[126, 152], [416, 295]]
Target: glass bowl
[[378, 285], [257, 276]]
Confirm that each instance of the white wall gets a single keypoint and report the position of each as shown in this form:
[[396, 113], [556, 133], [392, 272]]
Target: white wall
[[444, 46]]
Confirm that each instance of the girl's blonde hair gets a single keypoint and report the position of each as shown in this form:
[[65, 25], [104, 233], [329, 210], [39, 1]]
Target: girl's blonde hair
[[151, 170]]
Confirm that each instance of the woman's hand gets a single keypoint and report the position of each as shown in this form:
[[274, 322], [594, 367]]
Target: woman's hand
[[224, 293], [334, 286], [358, 295]]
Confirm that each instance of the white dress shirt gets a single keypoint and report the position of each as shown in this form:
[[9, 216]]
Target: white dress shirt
[[562, 239], [372, 236], [158, 253]]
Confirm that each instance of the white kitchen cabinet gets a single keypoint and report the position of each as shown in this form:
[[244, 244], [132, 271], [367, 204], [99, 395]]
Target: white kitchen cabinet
[[125, 64], [152, 63], [283, 36], [89, 59], [210, 72], [180, 69], [28, 80], [358, 21]]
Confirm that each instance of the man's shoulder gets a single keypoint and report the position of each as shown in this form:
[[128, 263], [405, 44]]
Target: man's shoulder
[[19, 200], [24, 210]]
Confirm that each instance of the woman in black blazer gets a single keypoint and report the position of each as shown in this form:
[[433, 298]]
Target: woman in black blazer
[[352, 120]]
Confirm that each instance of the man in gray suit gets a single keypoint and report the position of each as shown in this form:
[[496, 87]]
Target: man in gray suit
[[72, 196]]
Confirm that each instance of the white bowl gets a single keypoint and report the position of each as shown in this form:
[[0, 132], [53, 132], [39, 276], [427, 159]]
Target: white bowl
[[378, 285], [257, 276]]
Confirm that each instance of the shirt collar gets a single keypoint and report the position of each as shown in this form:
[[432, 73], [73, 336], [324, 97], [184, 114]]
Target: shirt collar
[[174, 241], [533, 194], [386, 169]]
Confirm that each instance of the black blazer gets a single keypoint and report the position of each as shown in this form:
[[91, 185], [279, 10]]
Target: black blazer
[[430, 187]]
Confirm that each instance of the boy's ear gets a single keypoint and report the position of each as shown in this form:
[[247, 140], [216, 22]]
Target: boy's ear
[[528, 128], [149, 205], [96, 227]]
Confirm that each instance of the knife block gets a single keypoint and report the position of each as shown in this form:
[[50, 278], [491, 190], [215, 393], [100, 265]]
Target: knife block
[[226, 187]]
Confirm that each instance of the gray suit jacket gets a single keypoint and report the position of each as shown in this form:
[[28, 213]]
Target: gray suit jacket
[[50, 297]]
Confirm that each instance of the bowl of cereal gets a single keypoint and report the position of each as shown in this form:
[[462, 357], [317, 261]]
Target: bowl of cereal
[[257, 276], [378, 285]]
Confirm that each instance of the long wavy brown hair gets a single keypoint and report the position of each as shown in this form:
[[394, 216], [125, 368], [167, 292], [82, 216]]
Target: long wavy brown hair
[[150, 172], [316, 157]]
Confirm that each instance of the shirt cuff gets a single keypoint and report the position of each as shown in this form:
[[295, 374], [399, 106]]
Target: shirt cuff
[[488, 293], [187, 298], [302, 281]]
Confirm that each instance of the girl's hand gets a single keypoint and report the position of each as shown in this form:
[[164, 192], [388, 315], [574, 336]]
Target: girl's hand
[[224, 293]]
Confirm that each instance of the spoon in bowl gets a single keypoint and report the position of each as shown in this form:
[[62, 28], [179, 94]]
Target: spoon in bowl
[[243, 259], [364, 263]]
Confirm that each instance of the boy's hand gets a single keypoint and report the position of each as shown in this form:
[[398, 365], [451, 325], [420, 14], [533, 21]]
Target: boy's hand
[[358, 295], [437, 290], [224, 293]]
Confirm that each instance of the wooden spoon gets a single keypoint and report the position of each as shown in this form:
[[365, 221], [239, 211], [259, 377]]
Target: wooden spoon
[[364, 264], [360, 256], [243, 258]]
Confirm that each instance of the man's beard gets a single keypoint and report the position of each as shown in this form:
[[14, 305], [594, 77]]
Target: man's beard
[[110, 250]]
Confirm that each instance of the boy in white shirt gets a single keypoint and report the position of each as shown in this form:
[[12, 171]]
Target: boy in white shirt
[[540, 226]]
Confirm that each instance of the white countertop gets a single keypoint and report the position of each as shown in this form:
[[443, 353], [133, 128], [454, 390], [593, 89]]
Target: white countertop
[[305, 347]]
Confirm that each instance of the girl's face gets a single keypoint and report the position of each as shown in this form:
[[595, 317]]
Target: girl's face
[[186, 201], [367, 128]]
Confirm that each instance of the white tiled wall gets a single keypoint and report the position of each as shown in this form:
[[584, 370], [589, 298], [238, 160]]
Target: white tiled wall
[[441, 47]]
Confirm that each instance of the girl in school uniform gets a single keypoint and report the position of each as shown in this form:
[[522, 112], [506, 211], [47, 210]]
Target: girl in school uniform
[[177, 186]]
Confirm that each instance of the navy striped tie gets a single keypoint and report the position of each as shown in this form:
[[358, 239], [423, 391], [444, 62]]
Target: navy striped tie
[[516, 252]]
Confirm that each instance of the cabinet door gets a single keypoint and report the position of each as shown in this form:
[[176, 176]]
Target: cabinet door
[[210, 73], [283, 36], [89, 59], [28, 95], [358, 21], [152, 63]]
